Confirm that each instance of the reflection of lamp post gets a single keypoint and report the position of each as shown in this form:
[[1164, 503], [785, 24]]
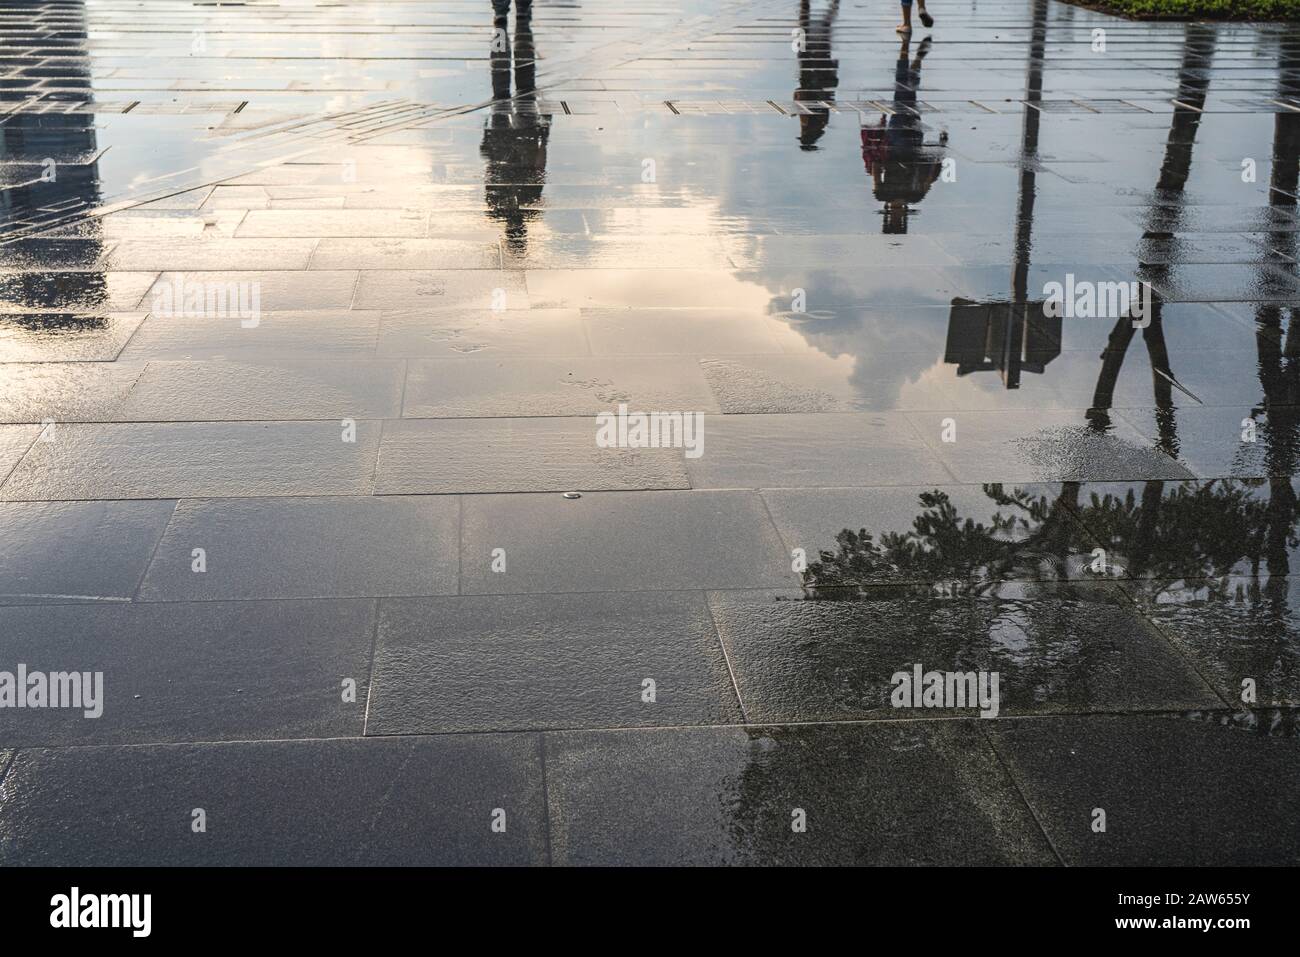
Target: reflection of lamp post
[[1014, 336]]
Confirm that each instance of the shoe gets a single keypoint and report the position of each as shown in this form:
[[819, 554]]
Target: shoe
[[927, 19]]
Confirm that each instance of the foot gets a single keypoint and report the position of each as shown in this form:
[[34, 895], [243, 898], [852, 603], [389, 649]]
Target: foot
[[903, 29], [927, 19]]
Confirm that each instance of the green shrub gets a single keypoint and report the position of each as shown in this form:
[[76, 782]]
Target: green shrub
[[1202, 9]]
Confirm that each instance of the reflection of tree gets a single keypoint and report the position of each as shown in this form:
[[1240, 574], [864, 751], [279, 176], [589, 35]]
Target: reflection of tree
[[1221, 534], [1033, 534], [1220, 530], [1225, 533]]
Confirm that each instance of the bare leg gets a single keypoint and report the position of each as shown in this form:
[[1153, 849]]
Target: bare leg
[[906, 26]]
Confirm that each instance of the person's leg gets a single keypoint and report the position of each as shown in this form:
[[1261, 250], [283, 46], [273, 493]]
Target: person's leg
[[926, 19], [906, 25]]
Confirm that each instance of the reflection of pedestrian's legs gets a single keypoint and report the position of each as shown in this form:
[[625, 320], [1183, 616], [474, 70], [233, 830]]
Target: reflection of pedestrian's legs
[[525, 54], [499, 61], [500, 10]]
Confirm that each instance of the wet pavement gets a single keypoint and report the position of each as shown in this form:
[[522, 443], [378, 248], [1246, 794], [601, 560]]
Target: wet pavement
[[979, 350]]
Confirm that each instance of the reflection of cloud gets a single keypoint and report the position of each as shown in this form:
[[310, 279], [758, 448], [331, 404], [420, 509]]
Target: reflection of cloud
[[894, 350], [644, 288], [929, 381]]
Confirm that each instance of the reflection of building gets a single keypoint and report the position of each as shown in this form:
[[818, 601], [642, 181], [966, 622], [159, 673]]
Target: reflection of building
[[34, 190], [1006, 337], [48, 174]]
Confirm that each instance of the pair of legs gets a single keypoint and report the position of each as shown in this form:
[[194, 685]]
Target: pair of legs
[[501, 9], [906, 26]]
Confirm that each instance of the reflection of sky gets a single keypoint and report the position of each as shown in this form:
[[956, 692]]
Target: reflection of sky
[[757, 172], [730, 188]]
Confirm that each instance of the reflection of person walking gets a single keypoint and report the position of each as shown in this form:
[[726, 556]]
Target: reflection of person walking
[[901, 166], [516, 131], [905, 27]]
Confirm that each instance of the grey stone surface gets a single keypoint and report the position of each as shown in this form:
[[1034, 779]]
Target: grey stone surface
[[65, 337], [1041, 446], [881, 794], [196, 459], [277, 290], [705, 332], [637, 288], [515, 455], [1191, 790], [1243, 637], [15, 440], [218, 253], [1056, 648], [80, 292], [805, 383], [481, 332], [406, 289], [308, 548], [394, 801], [1229, 283], [281, 390], [66, 391], [1220, 441], [77, 551], [620, 541], [810, 451], [390, 253], [547, 661], [827, 251], [569, 252], [309, 334], [200, 671], [284, 223], [578, 386]]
